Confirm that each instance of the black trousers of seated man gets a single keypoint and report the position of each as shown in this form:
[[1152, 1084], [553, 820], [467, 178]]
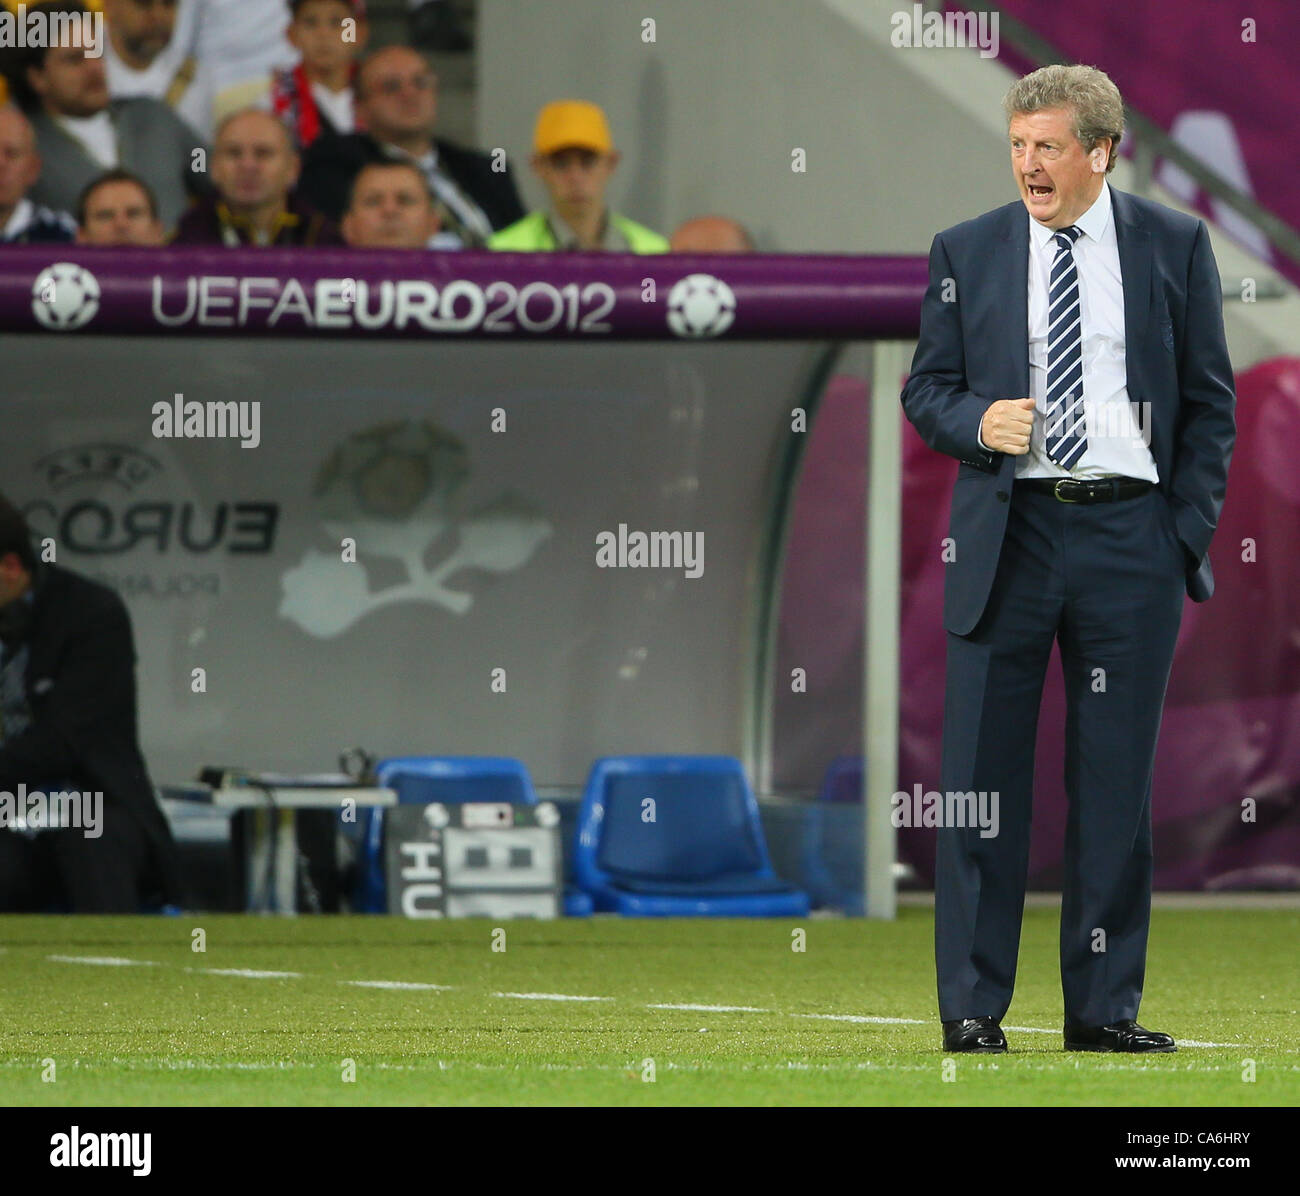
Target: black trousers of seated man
[[1106, 582], [65, 871]]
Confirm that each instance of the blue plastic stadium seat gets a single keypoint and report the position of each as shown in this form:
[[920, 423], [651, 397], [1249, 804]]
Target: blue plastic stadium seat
[[675, 836], [449, 779]]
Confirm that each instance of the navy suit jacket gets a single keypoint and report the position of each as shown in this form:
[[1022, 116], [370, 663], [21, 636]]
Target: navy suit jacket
[[974, 349]]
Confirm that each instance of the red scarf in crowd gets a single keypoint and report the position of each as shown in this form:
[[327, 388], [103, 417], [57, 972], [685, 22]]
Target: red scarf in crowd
[[293, 102]]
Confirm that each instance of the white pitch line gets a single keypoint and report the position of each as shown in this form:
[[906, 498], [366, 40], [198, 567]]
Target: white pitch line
[[250, 973], [408, 985], [714, 1008], [549, 997], [104, 961], [856, 1017]]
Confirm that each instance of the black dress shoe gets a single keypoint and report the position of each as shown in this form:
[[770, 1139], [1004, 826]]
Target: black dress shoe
[[974, 1036], [1119, 1036]]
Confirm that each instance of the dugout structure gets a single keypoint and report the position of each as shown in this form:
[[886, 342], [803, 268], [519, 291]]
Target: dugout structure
[[507, 504]]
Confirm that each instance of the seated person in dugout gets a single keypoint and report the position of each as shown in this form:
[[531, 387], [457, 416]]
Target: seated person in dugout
[[68, 725]]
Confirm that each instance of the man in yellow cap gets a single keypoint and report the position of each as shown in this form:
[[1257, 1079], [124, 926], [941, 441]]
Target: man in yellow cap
[[575, 158]]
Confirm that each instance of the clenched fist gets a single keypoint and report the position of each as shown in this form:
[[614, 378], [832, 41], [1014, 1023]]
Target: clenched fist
[[1006, 424]]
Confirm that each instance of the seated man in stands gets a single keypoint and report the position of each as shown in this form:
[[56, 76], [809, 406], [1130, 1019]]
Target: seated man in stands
[[391, 208], [80, 133], [143, 57], [397, 105], [315, 97], [23, 222], [68, 724], [119, 209], [575, 158], [254, 170]]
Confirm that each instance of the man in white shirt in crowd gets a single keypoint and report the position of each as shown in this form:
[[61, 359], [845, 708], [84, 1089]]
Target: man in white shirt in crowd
[[143, 58]]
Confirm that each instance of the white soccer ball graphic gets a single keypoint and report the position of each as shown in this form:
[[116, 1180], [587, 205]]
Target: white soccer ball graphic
[[701, 305], [65, 296]]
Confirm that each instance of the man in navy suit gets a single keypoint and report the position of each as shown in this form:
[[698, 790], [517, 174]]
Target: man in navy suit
[[1072, 358]]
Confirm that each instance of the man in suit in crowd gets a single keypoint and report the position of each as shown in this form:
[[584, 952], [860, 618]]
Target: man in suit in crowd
[[397, 103], [1072, 357], [68, 722]]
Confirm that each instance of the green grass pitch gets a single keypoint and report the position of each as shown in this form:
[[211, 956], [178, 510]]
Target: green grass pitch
[[849, 1020]]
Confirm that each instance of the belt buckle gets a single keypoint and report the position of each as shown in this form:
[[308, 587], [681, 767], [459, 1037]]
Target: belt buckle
[[1056, 490]]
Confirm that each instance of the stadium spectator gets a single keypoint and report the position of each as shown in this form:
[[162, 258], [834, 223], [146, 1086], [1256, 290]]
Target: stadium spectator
[[68, 722], [23, 222], [574, 156], [254, 169], [243, 42], [315, 96], [433, 25], [80, 132], [397, 103], [391, 208], [711, 234], [143, 58], [119, 209]]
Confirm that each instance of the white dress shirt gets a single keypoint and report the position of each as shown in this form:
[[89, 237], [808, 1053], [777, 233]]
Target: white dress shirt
[[95, 134], [1115, 429], [337, 106]]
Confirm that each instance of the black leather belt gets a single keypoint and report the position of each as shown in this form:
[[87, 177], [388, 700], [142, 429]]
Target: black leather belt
[[1086, 490]]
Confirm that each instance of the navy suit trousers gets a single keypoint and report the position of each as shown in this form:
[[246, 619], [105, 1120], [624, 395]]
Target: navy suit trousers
[[1106, 582]]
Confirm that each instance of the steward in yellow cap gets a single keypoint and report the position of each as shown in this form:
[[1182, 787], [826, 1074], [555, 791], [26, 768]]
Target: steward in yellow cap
[[574, 156]]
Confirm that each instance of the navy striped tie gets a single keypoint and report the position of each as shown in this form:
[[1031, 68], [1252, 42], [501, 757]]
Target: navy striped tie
[[1066, 431]]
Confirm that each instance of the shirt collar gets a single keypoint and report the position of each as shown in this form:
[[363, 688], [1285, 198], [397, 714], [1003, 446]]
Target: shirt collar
[[425, 162], [1093, 222], [20, 218]]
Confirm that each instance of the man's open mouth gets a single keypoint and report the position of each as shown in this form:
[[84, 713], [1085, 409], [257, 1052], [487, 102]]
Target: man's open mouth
[[1039, 192]]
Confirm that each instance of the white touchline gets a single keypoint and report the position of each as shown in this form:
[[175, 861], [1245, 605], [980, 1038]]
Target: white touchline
[[400, 985], [857, 1017], [250, 973], [714, 1008], [104, 961], [549, 997]]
